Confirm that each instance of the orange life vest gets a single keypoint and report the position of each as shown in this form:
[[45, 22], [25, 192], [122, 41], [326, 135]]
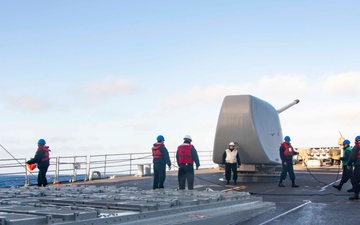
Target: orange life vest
[[184, 154], [358, 153], [289, 150], [46, 152], [156, 151]]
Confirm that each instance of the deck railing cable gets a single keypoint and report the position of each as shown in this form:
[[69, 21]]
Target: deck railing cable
[[76, 168]]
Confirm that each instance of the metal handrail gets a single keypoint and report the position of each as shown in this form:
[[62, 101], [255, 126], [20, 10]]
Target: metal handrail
[[74, 168]]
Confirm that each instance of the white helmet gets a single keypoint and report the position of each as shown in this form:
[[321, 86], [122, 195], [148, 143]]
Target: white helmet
[[188, 137], [231, 144]]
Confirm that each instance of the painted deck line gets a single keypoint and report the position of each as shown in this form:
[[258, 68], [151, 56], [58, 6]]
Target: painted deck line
[[324, 188], [282, 214]]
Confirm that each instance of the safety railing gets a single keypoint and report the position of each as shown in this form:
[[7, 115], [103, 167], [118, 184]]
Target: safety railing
[[13, 172]]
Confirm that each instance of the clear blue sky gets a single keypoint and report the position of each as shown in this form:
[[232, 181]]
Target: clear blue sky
[[109, 76]]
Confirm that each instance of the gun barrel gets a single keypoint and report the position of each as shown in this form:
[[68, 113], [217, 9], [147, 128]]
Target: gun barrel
[[296, 101]]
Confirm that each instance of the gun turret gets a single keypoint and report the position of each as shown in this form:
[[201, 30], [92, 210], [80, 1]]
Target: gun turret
[[254, 124], [296, 101]]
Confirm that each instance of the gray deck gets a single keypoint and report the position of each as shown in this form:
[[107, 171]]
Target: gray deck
[[130, 200]]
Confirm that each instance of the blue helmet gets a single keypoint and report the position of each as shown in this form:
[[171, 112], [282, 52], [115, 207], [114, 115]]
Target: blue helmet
[[346, 142], [287, 138], [41, 142], [160, 138], [357, 139]]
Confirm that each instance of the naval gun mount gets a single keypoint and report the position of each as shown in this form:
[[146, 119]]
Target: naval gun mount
[[254, 125]]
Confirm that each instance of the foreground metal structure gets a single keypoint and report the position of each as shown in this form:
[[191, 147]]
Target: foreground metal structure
[[97, 205]]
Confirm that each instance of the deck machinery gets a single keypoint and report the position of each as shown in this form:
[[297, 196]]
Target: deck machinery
[[254, 125]]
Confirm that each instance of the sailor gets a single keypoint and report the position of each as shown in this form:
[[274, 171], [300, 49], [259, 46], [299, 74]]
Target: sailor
[[42, 159], [186, 155], [346, 173], [286, 154], [231, 159], [160, 160], [355, 160]]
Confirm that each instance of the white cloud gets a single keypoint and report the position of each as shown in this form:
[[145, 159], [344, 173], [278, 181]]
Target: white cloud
[[349, 114], [28, 103], [291, 84], [109, 87], [342, 84], [278, 86], [315, 121], [329, 105], [204, 95], [141, 126]]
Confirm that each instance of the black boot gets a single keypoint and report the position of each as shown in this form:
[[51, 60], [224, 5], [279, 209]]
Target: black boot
[[235, 182], [293, 184], [338, 186], [355, 196], [281, 184], [228, 182]]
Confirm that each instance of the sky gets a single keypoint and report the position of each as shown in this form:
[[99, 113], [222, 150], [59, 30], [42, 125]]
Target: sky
[[98, 77]]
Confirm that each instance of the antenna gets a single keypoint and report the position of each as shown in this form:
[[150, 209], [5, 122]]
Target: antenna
[[341, 139], [341, 135]]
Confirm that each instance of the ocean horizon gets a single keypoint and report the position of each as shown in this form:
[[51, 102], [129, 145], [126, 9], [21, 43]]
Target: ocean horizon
[[20, 180]]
